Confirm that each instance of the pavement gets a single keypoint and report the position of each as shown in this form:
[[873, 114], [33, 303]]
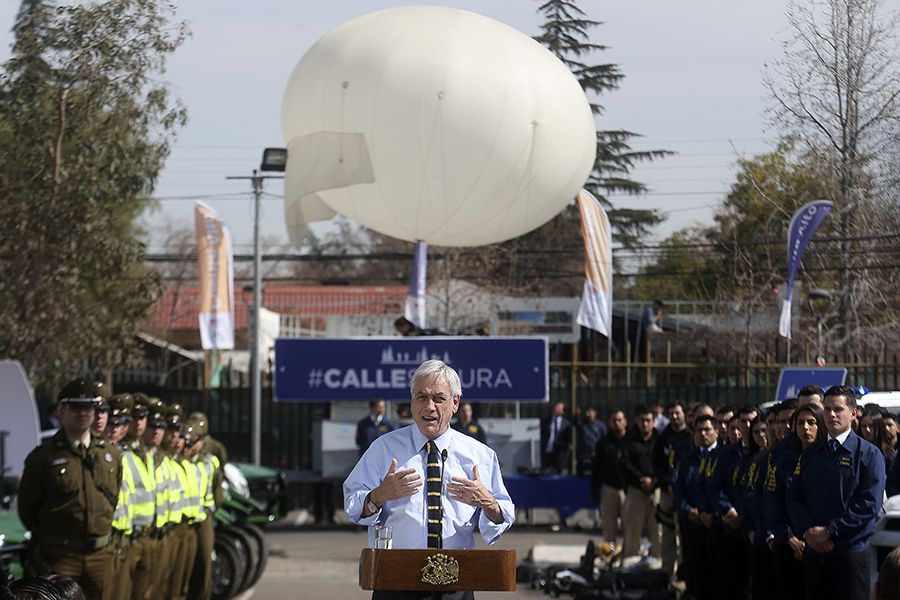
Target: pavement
[[319, 562]]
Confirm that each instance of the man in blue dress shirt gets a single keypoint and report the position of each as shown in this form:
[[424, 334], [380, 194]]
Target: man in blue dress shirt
[[834, 501], [387, 485]]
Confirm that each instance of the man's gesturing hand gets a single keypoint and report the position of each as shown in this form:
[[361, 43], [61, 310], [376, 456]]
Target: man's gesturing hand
[[473, 493], [396, 484]]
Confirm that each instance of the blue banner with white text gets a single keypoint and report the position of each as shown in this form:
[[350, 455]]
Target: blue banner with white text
[[331, 370], [800, 231]]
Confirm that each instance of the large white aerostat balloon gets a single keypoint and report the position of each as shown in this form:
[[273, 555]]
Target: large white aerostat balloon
[[433, 124]]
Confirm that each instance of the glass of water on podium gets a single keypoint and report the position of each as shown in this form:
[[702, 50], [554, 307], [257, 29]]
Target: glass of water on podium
[[383, 537]]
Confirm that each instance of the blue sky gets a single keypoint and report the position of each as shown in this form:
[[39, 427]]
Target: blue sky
[[693, 85]]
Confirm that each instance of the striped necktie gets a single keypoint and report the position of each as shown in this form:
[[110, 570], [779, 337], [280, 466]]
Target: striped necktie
[[433, 495]]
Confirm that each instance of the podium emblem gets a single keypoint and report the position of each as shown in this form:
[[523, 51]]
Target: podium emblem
[[440, 569]]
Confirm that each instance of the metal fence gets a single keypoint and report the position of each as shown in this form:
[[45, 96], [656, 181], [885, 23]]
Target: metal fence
[[287, 428]]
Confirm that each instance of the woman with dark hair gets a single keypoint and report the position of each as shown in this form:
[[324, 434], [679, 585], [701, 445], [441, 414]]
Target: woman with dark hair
[[807, 426], [809, 423], [870, 427], [877, 426]]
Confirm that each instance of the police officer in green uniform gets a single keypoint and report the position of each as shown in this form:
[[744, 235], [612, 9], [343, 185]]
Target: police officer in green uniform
[[101, 412], [123, 520], [143, 549], [210, 444], [211, 447], [183, 540], [168, 495], [140, 408], [200, 466], [68, 494]]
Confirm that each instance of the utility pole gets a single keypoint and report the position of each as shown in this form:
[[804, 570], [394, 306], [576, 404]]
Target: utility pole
[[256, 183]]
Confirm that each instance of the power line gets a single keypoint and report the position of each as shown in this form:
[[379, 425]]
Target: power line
[[776, 241], [380, 280], [223, 196], [701, 141], [635, 196], [635, 140], [406, 256]]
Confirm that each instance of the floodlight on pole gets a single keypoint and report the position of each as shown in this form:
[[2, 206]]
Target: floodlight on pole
[[274, 159]]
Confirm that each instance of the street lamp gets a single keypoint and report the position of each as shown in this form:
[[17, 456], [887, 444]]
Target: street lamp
[[274, 159], [818, 301]]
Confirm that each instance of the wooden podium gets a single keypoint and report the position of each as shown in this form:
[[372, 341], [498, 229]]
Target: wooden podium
[[434, 570]]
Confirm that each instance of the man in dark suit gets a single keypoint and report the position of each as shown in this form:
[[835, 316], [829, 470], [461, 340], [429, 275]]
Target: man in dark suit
[[556, 441], [834, 500], [373, 425]]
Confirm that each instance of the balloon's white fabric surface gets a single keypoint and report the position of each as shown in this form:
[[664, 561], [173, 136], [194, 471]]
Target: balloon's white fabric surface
[[433, 124]]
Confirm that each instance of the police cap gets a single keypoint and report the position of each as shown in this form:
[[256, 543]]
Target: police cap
[[190, 433], [103, 392], [141, 405], [201, 423], [173, 416], [79, 392], [120, 407], [156, 414]]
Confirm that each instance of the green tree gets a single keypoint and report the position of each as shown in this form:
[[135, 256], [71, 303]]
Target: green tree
[[739, 261], [566, 33], [85, 126], [679, 269], [836, 88]]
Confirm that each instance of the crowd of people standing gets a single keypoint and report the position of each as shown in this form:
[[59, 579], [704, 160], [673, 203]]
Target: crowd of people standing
[[739, 502], [121, 498]]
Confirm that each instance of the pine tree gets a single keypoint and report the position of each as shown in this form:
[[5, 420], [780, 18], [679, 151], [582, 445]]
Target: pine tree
[[565, 32]]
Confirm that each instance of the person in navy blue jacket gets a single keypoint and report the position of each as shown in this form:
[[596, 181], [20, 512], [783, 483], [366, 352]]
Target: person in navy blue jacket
[[893, 480], [672, 444], [371, 427], [710, 501], [778, 534], [688, 492], [834, 499], [808, 426], [761, 568], [726, 492]]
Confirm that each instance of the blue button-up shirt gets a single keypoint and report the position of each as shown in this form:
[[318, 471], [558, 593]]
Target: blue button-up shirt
[[406, 516]]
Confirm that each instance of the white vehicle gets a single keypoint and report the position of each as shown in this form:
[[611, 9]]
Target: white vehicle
[[19, 427], [889, 401]]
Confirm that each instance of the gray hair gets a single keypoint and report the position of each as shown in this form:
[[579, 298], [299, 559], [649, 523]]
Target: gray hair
[[434, 368]]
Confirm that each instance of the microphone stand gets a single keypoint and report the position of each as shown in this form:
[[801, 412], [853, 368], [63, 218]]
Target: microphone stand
[[443, 464]]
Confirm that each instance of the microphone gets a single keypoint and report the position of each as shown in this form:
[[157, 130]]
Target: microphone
[[444, 455]]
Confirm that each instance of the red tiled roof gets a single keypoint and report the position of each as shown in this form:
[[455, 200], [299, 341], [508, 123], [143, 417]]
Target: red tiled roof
[[318, 301]]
